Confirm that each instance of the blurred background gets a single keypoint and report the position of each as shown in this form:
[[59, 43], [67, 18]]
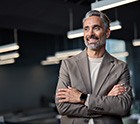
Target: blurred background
[[34, 40]]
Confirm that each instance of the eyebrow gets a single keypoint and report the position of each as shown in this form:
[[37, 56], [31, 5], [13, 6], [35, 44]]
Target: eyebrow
[[93, 26]]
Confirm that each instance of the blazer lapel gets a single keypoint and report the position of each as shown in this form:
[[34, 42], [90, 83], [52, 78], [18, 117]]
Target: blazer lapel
[[105, 68], [82, 64]]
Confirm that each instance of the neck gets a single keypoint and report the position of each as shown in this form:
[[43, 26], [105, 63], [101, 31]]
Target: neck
[[95, 54]]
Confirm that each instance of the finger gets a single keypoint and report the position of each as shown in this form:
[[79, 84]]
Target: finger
[[117, 91], [120, 91], [61, 93], [61, 96], [122, 88], [119, 87], [62, 90], [62, 100]]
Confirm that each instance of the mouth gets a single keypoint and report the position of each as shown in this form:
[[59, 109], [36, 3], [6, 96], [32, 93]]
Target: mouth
[[92, 40]]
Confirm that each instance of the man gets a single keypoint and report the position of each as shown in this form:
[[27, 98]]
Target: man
[[93, 86]]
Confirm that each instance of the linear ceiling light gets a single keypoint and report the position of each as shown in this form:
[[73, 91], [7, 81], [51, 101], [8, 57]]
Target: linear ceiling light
[[67, 53], [75, 33], [115, 25], [52, 58], [9, 55], [8, 61], [50, 61], [45, 62], [136, 42], [108, 4], [79, 32], [9, 47], [60, 56], [120, 54]]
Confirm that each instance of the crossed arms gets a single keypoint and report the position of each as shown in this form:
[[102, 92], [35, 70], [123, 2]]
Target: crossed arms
[[116, 102]]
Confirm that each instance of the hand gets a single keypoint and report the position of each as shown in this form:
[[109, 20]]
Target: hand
[[69, 94], [117, 90]]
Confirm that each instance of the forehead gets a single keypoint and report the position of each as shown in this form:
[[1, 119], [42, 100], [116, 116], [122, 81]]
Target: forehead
[[93, 20]]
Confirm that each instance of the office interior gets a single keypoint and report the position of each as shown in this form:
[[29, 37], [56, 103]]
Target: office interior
[[39, 28]]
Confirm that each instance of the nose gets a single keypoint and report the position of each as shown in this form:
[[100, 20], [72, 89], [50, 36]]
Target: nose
[[91, 32]]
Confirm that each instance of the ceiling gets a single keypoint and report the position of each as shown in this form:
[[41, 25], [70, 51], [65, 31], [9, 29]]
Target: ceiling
[[53, 16]]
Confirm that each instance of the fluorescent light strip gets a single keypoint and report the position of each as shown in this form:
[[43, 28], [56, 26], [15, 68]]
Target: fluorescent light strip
[[75, 33], [8, 47], [120, 54], [8, 61], [59, 56], [67, 53], [136, 42], [115, 25], [9, 56], [56, 58], [50, 61], [108, 4], [80, 33], [45, 62], [52, 58]]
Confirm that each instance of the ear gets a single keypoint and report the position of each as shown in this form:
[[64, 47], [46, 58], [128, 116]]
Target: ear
[[108, 33]]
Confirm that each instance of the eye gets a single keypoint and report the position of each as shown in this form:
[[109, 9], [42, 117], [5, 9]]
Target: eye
[[86, 28], [97, 28]]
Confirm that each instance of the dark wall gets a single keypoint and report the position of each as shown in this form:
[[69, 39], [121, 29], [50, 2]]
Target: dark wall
[[27, 84], [25, 87], [136, 73], [133, 61]]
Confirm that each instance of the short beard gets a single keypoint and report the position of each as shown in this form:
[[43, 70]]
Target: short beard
[[96, 46]]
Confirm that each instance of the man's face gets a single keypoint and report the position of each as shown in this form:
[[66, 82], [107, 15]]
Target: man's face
[[94, 33]]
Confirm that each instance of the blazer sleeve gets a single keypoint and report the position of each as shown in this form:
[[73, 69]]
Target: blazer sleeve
[[113, 105], [69, 109]]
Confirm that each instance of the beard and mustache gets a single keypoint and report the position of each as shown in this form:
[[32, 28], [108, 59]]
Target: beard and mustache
[[95, 45]]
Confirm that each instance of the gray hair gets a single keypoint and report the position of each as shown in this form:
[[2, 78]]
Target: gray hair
[[103, 16]]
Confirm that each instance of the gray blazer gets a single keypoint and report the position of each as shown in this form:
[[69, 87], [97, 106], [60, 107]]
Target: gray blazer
[[103, 109]]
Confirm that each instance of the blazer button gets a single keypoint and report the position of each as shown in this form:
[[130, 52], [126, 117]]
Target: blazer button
[[86, 120]]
